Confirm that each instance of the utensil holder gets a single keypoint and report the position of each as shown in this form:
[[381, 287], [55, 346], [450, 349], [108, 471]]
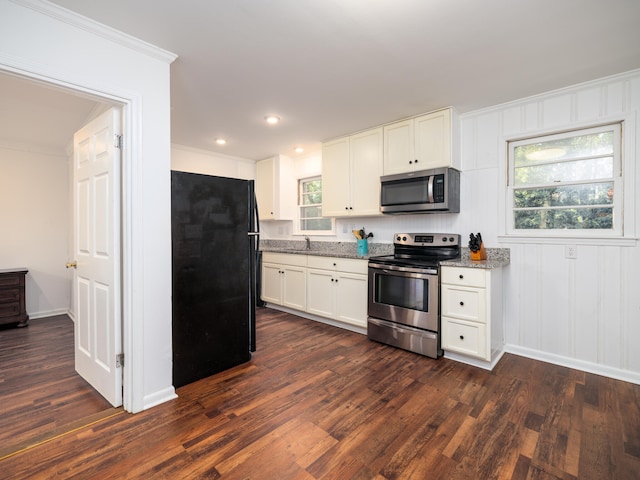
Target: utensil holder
[[362, 248]]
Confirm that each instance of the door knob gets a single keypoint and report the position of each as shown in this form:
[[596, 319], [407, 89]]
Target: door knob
[[73, 264]]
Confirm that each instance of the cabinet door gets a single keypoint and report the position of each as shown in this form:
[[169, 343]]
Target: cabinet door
[[366, 169], [265, 178], [351, 299], [336, 200], [321, 293], [433, 139], [398, 147], [294, 294], [272, 283]]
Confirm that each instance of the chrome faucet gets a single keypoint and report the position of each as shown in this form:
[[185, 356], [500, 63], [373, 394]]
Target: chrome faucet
[[308, 240]]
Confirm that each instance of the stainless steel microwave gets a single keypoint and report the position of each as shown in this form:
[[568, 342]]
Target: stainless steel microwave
[[425, 191]]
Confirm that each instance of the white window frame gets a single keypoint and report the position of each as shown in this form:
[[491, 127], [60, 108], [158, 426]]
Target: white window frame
[[624, 174], [298, 230]]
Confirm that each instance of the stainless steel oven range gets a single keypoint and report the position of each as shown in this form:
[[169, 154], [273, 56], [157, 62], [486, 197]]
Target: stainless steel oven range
[[404, 292]]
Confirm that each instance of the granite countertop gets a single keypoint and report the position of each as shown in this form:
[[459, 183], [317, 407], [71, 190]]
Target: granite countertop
[[324, 249], [496, 257]]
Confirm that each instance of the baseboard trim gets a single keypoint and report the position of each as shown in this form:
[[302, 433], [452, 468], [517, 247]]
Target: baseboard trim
[[605, 371], [49, 313], [159, 397]]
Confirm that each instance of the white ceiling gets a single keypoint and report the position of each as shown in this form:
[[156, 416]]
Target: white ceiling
[[333, 67]]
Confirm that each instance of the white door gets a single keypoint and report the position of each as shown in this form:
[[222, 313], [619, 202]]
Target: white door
[[96, 246]]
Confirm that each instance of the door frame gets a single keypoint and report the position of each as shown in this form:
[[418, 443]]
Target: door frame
[[130, 220]]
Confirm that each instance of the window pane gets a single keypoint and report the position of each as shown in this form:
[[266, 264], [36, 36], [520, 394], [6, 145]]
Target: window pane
[[312, 198], [573, 171], [565, 218], [316, 224], [311, 212], [580, 146], [310, 186], [568, 195]]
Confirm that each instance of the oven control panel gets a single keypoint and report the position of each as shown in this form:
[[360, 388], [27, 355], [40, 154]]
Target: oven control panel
[[427, 239]]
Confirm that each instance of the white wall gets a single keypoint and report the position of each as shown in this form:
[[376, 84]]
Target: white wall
[[41, 41], [34, 194], [193, 160]]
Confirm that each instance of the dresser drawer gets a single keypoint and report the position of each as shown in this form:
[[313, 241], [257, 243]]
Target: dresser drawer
[[9, 310], [463, 337], [469, 277], [10, 280], [9, 295], [467, 303]]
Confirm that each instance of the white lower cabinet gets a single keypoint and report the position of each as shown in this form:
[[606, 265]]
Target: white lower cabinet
[[284, 280], [472, 312], [330, 287], [337, 289]]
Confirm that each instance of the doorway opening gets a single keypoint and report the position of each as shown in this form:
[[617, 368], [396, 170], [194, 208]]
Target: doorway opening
[[34, 118]]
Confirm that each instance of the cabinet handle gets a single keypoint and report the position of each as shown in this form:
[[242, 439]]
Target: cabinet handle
[[332, 280], [461, 337], [336, 280], [461, 277], [334, 264], [462, 304], [346, 208]]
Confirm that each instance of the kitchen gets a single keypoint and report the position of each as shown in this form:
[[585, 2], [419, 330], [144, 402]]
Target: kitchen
[[554, 310]]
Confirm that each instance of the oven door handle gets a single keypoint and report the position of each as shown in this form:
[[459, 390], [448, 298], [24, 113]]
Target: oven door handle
[[390, 269]]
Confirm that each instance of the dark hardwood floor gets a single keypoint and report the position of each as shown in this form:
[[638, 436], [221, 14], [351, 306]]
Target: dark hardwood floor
[[317, 402], [42, 396]]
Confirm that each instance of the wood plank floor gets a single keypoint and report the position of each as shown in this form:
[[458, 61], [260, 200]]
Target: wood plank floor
[[41, 394], [317, 402]]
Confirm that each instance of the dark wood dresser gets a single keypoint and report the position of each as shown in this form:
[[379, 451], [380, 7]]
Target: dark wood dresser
[[12, 302]]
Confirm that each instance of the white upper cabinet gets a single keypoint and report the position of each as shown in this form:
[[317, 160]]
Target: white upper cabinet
[[351, 170], [420, 143], [276, 188]]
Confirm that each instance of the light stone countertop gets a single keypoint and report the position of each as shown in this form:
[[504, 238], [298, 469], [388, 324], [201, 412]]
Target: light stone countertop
[[496, 257]]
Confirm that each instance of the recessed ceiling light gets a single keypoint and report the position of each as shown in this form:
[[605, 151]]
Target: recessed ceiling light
[[272, 119], [299, 149], [220, 141]]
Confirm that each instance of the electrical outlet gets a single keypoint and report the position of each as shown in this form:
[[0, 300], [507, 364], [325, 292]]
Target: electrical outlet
[[570, 251]]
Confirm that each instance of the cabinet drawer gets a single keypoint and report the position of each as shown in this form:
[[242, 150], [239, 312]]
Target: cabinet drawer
[[464, 337], [284, 259], [472, 277], [9, 295], [348, 265], [467, 303]]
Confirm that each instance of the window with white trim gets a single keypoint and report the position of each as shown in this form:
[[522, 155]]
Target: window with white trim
[[566, 184], [311, 220]]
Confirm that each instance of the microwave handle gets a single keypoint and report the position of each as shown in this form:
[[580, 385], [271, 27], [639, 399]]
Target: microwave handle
[[430, 188]]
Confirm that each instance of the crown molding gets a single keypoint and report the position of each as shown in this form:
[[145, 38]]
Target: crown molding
[[76, 20]]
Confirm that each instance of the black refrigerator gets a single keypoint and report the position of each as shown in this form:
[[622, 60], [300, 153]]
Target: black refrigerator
[[215, 237]]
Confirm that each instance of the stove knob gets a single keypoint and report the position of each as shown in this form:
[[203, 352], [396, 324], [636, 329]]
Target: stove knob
[[451, 239], [444, 239], [404, 239], [398, 238]]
